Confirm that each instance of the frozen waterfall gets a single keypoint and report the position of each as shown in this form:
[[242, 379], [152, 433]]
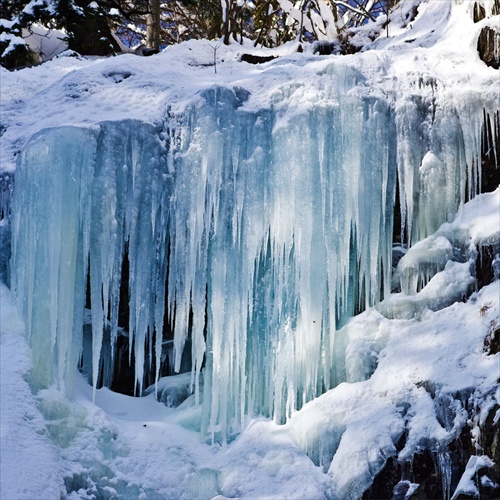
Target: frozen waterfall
[[249, 235]]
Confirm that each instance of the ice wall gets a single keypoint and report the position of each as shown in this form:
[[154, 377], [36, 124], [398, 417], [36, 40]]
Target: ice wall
[[254, 233]]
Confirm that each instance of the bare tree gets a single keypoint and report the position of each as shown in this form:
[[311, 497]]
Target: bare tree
[[91, 25], [153, 25]]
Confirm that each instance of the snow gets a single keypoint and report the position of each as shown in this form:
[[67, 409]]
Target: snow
[[466, 486], [477, 227], [399, 362], [128, 446], [359, 424], [172, 78], [45, 43], [30, 463]]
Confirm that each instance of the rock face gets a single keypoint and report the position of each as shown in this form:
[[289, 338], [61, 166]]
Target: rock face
[[488, 46], [423, 478], [487, 265], [490, 152], [468, 467], [479, 12]]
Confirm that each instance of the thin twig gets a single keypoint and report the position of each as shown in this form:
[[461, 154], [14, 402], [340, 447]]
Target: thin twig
[[214, 48]]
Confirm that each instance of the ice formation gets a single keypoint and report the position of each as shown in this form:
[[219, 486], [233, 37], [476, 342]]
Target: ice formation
[[228, 228], [402, 396], [252, 234]]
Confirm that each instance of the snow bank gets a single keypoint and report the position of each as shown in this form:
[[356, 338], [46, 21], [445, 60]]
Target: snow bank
[[30, 463]]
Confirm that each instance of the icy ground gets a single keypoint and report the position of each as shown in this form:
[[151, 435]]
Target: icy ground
[[402, 356]]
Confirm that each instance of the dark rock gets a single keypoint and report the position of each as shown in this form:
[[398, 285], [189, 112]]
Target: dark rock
[[492, 340], [325, 48], [253, 59], [385, 482], [421, 477], [411, 15], [478, 13], [344, 46], [145, 51], [488, 46], [490, 152], [489, 483], [486, 480], [490, 435], [495, 10], [485, 266], [424, 472], [398, 252]]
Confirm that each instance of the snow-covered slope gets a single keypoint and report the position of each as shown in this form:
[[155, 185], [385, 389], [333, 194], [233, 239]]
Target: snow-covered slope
[[440, 44]]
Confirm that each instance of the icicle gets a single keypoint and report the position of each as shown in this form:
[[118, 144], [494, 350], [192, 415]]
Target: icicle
[[48, 280], [252, 235]]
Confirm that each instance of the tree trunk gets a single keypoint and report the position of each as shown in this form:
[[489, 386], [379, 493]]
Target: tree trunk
[[153, 25], [226, 20]]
